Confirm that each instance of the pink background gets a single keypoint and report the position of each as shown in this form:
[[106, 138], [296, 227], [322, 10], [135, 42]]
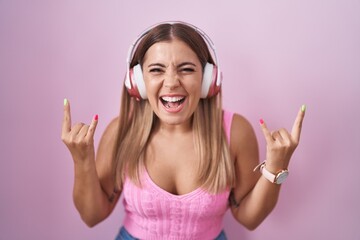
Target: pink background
[[275, 55]]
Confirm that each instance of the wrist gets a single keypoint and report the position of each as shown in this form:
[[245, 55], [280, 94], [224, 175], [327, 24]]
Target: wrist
[[84, 165], [275, 167], [277, 176]]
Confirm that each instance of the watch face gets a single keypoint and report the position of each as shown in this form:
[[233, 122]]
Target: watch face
[[280, 178]]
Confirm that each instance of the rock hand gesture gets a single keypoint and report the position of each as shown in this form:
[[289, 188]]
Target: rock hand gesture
[[78, 138]]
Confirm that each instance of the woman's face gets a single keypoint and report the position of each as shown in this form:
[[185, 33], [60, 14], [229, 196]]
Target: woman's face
[[173, 76]]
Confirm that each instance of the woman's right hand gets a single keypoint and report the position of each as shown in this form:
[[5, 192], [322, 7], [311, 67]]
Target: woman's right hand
[[78, 138]]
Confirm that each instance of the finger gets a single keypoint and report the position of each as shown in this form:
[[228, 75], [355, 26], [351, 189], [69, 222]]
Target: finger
[[83, 131], [285, 135], [266, 132], [296, 130], [276, 136], [92, 128], [76, 129], [66, 124]]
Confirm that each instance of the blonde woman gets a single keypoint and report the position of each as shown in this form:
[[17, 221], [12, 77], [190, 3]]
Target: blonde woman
[[179, 160]]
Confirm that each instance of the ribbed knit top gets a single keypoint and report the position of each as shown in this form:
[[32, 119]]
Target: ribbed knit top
[[153, 213]]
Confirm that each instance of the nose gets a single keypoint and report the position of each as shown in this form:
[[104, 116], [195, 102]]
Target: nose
[[171, 80]]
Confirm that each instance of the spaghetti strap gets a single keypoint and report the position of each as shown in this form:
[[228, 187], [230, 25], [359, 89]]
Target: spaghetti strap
[[227, 118]]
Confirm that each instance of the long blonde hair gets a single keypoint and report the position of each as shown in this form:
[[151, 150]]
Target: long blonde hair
[[137, 119]]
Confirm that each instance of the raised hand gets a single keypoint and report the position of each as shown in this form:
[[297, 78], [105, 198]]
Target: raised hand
[[79, 138], [280, 144]]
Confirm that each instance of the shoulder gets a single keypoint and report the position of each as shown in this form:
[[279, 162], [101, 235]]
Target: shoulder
[[242, 135], [108, 140], [237, 124], [240, 126], [112, 126], [110, 131]]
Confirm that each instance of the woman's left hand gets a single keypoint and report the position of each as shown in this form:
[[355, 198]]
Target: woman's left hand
[[280, 144]]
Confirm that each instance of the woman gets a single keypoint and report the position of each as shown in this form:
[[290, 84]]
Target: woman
[[178, 158]]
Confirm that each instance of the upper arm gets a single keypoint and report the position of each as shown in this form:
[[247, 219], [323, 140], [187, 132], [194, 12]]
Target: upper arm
[[104, 159], [244, 151]]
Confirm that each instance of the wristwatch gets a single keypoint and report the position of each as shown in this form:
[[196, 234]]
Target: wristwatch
[[277, 178]]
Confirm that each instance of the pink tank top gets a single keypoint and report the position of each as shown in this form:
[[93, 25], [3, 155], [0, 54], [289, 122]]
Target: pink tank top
[[153, 213]]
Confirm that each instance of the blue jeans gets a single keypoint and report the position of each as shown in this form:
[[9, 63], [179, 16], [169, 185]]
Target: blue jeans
[[124, 235]]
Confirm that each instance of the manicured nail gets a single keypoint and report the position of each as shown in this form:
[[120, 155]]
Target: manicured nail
[[65, 101], [261, 121], [96, 117], [303, 108]]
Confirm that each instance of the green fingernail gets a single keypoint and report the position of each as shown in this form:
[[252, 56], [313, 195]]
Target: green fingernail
[[65, 101], [303, 108]]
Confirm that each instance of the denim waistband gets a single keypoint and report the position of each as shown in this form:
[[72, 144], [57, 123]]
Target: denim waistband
[[125, 235]]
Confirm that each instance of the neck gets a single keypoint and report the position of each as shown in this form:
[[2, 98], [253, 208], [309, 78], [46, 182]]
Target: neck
[[167, 129]]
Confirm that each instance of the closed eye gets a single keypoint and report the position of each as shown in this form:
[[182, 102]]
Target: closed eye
[[155, 70], [187, 67], [187, 70]]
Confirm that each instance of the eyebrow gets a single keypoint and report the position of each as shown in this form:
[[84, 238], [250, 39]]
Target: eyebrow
[[186, 63], [156, 65], [163, 65]]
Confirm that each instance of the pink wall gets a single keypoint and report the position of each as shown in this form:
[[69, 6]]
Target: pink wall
[[275, 55]]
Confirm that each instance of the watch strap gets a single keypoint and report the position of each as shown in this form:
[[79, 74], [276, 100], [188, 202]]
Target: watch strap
[[273, 178], [268, 175]]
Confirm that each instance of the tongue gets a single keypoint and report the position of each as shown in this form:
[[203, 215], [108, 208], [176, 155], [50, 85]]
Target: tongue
[[172, 104]]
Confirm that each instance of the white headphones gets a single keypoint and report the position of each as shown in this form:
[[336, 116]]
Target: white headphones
[[212, 76]]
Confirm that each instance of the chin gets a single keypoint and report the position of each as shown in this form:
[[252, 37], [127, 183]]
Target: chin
[[174, 120]]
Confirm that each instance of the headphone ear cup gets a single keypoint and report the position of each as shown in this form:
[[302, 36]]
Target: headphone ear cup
[[136, 79], [209, 87], [207, 78]]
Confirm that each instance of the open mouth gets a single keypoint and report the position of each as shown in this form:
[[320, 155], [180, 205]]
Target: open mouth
[[172, 102]]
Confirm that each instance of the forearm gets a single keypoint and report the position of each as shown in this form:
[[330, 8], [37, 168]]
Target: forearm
[[89, 198], [257, 204], [90, 178]]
